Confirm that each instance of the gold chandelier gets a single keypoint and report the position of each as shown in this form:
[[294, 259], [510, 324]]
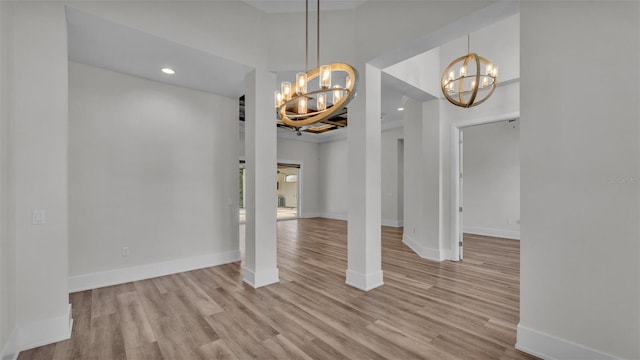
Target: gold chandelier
[[475, 82], [305, 102]]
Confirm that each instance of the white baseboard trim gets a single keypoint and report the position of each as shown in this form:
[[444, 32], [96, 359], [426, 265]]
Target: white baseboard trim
[[343, 217], [309, 215], [447, 255], [44, 332], [364, 282], [335, 216], [422, 251], [550, 347], [11, 349], [261, 278], [392, 222], [147, 271], [502, 233]]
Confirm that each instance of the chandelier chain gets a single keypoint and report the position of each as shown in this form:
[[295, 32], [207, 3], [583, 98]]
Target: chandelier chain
[[298, 105]]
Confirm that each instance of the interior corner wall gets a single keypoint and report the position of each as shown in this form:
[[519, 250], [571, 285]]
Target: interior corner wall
[[413, 175], [491, 185], [422, 178], [391, 200], [151, 168], [333, 179], [580, 178]]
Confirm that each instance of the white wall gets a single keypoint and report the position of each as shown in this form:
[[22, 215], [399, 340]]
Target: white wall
[[337, 31], [7, 249], [409, 21], [211, 26], [497, 42], [391, 202], [422, 178], [420, 71], [580, 171], [333, 177], [491, 168], [149, 169], [38, 115]]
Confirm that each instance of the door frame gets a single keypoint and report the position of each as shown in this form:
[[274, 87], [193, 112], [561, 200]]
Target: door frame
[[456, 129], [299, 183]]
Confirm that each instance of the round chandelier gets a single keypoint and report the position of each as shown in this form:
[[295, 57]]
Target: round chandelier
[[308, 101], [469, 80]]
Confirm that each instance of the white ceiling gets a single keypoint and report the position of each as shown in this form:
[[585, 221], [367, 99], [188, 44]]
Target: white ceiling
[[98, 42], [289, 6], [102, 43]]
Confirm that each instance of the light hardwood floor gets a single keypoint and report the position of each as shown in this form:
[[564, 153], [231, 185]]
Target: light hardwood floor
[[425, 310]]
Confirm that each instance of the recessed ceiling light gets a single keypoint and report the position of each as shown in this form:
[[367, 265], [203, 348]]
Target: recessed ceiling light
[[168, 71], [400, 109]]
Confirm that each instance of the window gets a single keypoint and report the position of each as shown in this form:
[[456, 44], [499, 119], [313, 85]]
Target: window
[[291, 178]]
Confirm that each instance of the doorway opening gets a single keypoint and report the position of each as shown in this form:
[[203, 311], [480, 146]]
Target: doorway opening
[[287, 191], [485, 204]]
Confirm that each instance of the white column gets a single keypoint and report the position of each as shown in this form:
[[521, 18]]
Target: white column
[[364, 245], [260, 266]]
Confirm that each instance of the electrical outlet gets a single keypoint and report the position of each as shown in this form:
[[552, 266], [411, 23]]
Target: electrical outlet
[[125, 251], [37, 217]]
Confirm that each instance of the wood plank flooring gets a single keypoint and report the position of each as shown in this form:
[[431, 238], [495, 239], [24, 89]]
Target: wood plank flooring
[[425, 310]]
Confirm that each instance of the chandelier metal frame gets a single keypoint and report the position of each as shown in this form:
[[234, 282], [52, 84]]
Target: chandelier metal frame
[[455, 89], [287, 103], [290, 117]]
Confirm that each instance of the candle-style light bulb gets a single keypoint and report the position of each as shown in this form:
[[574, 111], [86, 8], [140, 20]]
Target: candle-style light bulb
[[285, 88], [473, 84], [494, 71], [463, 70], [451, 76], [485, 82], [302, 105], [489, 69], [322, 102], [277, 99], [325, 76], [301, 83], [337, 94]]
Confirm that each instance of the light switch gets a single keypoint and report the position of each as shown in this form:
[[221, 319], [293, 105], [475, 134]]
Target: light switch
[[37, 217]]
